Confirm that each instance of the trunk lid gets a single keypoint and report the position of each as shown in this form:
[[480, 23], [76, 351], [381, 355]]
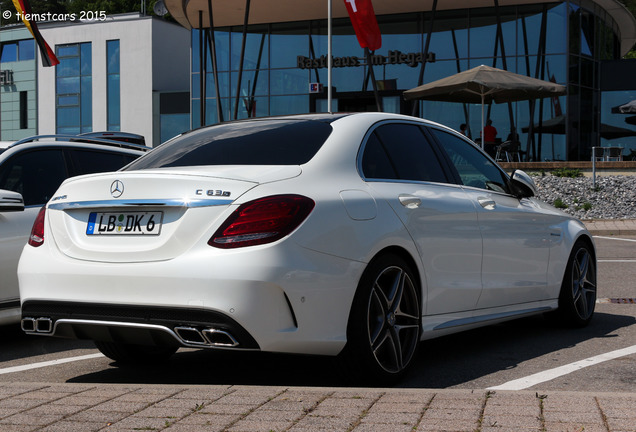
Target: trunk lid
[[142, 216]]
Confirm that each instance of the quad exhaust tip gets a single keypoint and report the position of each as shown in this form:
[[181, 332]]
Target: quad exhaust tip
[[206, 337], [37, 325]]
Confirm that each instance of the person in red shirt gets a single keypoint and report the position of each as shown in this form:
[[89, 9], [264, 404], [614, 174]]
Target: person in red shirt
[[489, 137]]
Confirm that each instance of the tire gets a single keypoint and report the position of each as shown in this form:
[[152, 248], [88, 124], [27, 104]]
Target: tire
[[384, 325], [134, 355], [577, 298]]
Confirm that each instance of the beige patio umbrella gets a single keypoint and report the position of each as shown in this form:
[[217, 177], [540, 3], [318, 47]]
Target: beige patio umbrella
[[628, 108], [556, 125], [485, 84]]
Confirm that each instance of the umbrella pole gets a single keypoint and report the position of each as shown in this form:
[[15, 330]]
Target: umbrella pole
[[482, 122], [378, 101]]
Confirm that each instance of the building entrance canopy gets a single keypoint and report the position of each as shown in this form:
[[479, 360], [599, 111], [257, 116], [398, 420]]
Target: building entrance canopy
[[232, 12]]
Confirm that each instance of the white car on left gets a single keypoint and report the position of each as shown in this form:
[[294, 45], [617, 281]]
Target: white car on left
[[30, 171]]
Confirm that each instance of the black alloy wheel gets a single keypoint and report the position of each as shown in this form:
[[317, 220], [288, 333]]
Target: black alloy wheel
[[385, 321], [578, 290]]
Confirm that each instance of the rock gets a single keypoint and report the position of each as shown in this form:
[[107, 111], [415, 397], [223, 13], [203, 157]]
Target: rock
[[614, 197]]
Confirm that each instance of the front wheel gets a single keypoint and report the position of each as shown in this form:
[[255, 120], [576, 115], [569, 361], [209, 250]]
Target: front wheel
[[578, 290], [134, 355], [385, 322]]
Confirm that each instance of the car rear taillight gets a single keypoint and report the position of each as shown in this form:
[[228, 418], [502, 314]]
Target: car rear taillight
[[261, 221], [37, 232]]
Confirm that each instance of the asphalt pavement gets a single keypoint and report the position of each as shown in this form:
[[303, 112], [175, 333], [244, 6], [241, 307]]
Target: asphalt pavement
[[71, 407]]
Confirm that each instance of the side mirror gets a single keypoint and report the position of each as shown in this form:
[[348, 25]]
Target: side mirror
[[11, 201], [523, 184]]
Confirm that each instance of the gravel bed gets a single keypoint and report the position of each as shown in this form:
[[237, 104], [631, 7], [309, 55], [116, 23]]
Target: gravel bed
[[614, 197]]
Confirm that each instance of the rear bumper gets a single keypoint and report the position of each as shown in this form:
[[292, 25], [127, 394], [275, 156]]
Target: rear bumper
[[275, 299], [162, 326]]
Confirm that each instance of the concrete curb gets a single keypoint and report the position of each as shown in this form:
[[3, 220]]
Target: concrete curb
[[611, 227]]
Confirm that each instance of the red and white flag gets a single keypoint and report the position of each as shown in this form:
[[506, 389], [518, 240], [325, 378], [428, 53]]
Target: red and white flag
[[364, 23]]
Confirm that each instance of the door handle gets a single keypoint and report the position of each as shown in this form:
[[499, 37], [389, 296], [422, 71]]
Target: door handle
[[410, 201], [487, 203]]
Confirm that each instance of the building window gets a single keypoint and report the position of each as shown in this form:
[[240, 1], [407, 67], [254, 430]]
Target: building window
[[24, 111], [174, 113], [113, 98], [73, 92], [26, 50], [18, 51], [9, 52]]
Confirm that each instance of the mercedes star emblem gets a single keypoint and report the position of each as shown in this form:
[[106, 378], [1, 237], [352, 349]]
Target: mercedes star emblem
[[117, 189]]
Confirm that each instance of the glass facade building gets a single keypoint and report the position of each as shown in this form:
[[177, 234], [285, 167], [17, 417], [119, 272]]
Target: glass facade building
[[563, 42]]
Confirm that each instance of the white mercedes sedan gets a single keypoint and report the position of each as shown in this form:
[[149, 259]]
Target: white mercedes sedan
[[356, 235]]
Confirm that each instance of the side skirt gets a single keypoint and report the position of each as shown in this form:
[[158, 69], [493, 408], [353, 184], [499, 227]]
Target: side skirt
[[440, 325]]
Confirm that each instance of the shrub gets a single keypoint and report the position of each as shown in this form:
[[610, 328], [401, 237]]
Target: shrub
[[584, 206], [567, 172], [558, 203]]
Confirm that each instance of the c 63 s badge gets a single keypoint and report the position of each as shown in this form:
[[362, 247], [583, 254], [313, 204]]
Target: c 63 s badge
[[213, 192]]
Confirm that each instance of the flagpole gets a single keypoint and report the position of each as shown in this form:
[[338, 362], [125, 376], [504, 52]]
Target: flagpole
[[329, 66]]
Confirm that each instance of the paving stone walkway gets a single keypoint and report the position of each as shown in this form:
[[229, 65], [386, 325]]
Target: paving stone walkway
[[126, 408]]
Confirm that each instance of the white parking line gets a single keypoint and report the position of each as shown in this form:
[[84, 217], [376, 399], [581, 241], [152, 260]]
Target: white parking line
[[615, 238], [538, 378], [617, 261], [48, 363]]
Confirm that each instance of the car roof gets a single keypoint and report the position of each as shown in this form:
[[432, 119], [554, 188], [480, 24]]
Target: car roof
[[324, 117], [113, 141]]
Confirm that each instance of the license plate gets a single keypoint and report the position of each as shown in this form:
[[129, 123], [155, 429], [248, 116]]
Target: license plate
[[124, 223]]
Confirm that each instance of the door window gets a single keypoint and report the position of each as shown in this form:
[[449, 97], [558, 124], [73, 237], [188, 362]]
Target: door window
[[473, 167], [90, 161], [397, 151], [34, 174]]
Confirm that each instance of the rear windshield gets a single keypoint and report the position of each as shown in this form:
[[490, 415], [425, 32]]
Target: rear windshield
[[260, 142]]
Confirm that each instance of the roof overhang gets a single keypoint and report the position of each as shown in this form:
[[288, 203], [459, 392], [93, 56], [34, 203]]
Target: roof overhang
[[625, 21], [232, 12]]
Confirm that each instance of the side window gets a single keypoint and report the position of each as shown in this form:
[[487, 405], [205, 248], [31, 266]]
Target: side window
[[375, 161], [92, 161], [401, 151], [475, 169], [34, 174]]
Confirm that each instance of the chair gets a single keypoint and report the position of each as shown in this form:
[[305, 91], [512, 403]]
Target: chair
[[614, 154], [514, 151], [598, 154], [503, 151]]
